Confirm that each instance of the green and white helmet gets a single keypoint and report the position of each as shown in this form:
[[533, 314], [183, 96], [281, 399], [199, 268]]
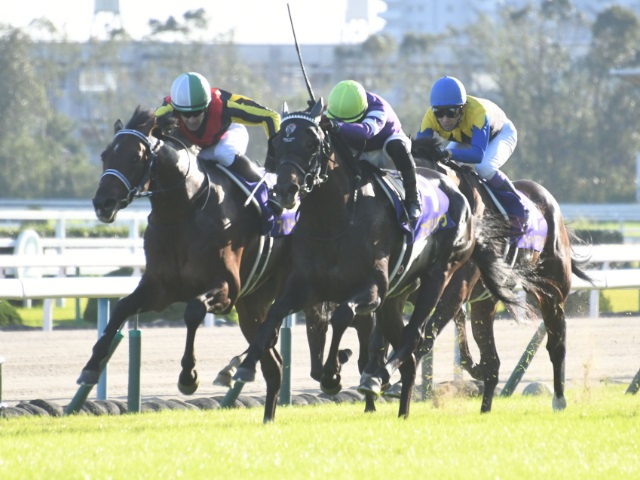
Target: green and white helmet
[[347, 101], [190, 92]]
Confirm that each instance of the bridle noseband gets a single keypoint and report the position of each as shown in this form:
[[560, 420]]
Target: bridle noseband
[[151, 150], [316, 174]]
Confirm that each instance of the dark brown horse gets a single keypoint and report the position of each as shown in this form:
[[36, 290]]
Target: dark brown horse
[[348, 247], [543, 256], [203, 246]]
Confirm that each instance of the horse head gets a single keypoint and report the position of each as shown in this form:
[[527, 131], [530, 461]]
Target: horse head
[[301, 154], [126, 164]]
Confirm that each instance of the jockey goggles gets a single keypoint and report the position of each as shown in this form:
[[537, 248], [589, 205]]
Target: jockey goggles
[[191, 114], [451, 112]]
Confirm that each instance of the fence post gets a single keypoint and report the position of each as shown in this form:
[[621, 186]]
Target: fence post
[[103, 316], [134, 401], [525, 360], [633, 388]]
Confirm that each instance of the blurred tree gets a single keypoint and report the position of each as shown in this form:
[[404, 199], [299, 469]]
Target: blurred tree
[[615, 103], [38, 151]]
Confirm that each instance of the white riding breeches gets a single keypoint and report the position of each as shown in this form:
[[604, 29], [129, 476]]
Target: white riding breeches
[[380, 158], [233, 142], [500, 148]]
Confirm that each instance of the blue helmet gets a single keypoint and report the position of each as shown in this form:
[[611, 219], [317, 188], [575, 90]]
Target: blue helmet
[[447, 92]]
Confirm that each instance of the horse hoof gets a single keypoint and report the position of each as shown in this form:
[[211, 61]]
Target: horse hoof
[[331, 386], [244, 375], [224, 379], [344, 355], [189, 388], [394, 391], [88, 377], [559, 404], [371, 386]]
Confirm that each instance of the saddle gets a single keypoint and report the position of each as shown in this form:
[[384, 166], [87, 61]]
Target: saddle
[[435, 216], [536, 228], [258, 195]]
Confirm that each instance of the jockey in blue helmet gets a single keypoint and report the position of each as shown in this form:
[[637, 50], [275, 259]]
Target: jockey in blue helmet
[[479, 133]]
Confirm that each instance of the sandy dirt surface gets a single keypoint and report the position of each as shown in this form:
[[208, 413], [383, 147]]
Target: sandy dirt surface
[[45, 365]]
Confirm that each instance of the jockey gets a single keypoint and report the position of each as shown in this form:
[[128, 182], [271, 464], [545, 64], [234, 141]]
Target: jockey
[[368, 124], [215, 120], [479, 133]]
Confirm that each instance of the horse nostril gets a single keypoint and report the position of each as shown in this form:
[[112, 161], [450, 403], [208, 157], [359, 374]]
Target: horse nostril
[[104, 204]]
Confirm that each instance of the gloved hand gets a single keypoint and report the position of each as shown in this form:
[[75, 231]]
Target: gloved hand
[[329, 125], [443, 155]]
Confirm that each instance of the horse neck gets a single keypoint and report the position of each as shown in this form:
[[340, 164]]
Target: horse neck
[[176, 185], [329, 205]]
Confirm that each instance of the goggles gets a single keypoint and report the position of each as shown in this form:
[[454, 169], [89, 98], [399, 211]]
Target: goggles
[[191, 114], [451, 112]]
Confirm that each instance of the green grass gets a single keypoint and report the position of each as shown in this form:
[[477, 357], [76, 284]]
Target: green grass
[[624, 300], [596, 437], [62, 316]]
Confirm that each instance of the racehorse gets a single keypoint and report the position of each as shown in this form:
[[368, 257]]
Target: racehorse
[[202, 245], [348, 247], [543, 255]]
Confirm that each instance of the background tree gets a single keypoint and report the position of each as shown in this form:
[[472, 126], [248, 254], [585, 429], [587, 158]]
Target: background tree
[[38, 152]]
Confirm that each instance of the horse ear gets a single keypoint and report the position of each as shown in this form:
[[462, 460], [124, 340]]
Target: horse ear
[[285, 109], [316, 111], [118, 126]]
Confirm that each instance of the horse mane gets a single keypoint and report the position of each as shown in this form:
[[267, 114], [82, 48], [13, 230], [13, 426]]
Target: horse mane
[[140, 118]]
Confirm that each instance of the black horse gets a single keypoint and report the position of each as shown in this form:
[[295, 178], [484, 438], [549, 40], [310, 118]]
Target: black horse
[[202, 245], [544, 258], [348, 247]]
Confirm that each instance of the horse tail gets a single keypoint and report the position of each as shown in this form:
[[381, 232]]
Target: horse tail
[[492, 232], [578, 262]]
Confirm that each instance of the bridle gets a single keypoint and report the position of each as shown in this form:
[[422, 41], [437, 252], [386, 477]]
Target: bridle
[[151, 151], [316, 173]]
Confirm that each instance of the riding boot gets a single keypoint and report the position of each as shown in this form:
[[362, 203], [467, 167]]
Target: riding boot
[[508, 197], [405, 164], [411, 201], [245, 168]]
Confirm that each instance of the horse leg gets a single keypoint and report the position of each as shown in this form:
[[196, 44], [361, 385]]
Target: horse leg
[[294, 299], [552, 310], [317, 327], [408, 378], [388, 329], [364, 302], [188, 379], [136, 302], [466, 360], [364, 325], [342, 317], [271, 366], [482, 317]]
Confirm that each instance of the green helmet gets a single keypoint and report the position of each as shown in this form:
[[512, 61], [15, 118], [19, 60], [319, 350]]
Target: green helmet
[[347, 101], [190, 92]]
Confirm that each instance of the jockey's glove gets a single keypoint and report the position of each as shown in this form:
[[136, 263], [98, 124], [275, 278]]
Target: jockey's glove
[[443, 155], [328, 124]]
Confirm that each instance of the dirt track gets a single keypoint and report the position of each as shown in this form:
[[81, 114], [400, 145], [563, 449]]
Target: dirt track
[[45, 365]]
